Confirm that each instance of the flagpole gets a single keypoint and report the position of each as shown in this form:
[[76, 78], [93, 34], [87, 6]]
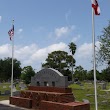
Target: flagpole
[[94, 59], [12, 62]]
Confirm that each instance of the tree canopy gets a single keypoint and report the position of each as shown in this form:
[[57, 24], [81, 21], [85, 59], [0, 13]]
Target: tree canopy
[[27, 73], [72, 48], [59, 60], [104, 50], [6, 69], [80, 73]]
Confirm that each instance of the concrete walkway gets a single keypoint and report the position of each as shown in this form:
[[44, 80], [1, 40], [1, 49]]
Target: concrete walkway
[[4, 105]]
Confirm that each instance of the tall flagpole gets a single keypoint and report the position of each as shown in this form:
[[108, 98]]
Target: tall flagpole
[[12, 61], [94, 59]]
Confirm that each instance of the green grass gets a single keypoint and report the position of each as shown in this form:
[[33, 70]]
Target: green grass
[[87, 92], [4, 84], [4, 97]]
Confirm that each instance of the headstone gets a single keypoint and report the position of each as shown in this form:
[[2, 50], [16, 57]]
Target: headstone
[[85, 101], [49, 77], [16, 93], [22, 86], [14, 88], [7, 92], [103, 86]]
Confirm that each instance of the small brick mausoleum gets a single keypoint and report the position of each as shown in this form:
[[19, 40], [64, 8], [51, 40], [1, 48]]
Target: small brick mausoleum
[[48, 91]]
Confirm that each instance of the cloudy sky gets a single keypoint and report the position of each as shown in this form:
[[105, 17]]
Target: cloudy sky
[[43, 26]]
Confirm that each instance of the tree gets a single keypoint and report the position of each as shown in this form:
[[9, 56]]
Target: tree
[[27, 73], [61, 61], [105, 74], [6, 69], [72, 48], [104, 50], [90, 75], [80, 73]]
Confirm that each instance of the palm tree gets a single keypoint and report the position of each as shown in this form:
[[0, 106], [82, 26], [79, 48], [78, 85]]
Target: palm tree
[[72, 48]]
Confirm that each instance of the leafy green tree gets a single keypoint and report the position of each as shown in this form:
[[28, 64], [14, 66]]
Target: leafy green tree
[[105, 74], [90, 75], [6, 69], [61, 61], [72, 48], [27, 73], [104, 50], [80, 73]]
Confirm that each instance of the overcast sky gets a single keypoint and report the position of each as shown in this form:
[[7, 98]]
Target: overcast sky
[[43, 26]]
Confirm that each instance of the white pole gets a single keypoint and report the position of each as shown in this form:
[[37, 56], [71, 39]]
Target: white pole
[[94, 59], [72, 67], [12, 63]]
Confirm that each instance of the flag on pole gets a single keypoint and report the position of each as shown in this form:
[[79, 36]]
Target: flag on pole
[[11, 32], [96, 7]]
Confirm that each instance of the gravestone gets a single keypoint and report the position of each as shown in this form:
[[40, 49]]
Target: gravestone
[[85, 100], [49, 77], [22, 86], [103, 85], [16, 93], [7, 92], [14, 88]]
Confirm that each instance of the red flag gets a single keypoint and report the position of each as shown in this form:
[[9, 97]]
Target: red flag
[[96, 7], [11, 32]]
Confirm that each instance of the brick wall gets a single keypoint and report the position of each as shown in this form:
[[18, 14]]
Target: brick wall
[[21, 102], [38, 96], [79, 105], [50, 89], [48, 98], [48, 105]]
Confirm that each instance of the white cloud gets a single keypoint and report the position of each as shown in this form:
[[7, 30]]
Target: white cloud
[[41, 54], [84, 55], [20, 30], [5, 50], [60, 32], [0, 18], [86, 50], [34, 56], [31, 54], [23, 53]]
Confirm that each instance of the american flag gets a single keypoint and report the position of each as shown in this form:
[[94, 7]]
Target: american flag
[[11, 32]]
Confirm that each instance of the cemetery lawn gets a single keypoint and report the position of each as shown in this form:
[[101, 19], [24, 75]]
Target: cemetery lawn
[[3, 88], [85, 91]]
